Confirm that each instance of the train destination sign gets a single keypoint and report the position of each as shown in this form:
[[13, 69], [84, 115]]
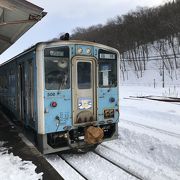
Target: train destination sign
[[107, 56]]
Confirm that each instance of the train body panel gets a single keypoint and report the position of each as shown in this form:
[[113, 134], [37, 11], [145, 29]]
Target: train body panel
[[60, 89], [18, 88], [108, 100], [59, 116]]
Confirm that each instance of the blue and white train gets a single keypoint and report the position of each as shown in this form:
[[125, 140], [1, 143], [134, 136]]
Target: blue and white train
[[66, 91]]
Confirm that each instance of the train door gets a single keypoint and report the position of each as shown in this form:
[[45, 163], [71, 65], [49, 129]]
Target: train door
[[84, 90], [21, 92], [30, 94]]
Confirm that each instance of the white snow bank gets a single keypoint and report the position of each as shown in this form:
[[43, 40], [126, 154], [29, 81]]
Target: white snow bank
[[12, 167], [161, 115], [149, 131]]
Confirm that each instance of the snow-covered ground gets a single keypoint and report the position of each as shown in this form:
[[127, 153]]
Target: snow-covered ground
[[148, 144], [12, 167], [140, 137], [161, 115]]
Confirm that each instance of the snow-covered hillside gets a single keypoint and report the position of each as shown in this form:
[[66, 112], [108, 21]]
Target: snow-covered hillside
[[156, 64]]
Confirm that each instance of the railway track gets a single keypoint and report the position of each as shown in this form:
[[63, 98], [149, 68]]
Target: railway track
[[131, 173], [83, 166], [73, 167], [175, 101], [132, 166], [100, 158], [152, 128]]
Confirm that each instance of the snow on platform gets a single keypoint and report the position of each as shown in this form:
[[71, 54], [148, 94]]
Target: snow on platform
[[19, 161], [12, 167]]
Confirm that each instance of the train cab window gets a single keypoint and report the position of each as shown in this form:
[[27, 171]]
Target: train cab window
[[57, 68], [107, 69], [84, 75]]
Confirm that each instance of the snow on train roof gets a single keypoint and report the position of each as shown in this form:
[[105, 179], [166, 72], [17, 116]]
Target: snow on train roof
[[16, 17]]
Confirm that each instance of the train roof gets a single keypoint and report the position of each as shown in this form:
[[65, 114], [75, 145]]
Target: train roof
[[64, 42], [69, 42]]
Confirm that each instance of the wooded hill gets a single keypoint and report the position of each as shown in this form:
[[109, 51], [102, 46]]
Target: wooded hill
[[135, 28]]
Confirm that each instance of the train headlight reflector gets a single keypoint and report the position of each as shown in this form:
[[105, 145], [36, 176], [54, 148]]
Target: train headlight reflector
[[79, 50], [53, 104]]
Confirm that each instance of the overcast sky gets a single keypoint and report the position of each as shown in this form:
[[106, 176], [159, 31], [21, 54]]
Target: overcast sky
[[64, 16]]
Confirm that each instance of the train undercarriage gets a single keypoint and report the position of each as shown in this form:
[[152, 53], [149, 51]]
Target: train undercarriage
[[81, 139]]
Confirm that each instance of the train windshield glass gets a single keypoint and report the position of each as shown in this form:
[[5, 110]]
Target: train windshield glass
[[107, 69], [57, 68], [84, 75]]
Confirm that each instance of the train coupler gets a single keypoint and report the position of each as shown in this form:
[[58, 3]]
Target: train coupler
[[93, 135]]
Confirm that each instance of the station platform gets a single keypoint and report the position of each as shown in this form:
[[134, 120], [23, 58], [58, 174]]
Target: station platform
[[10, 133]]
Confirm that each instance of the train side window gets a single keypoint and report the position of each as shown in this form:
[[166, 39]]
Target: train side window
[[57, 68]]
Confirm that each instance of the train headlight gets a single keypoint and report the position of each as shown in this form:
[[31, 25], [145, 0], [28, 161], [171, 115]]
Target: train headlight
[[79, 50], [88, 51]]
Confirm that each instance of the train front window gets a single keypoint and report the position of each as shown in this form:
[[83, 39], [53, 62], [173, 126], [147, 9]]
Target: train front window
[[107, 69], [84, 75], [57, 68]]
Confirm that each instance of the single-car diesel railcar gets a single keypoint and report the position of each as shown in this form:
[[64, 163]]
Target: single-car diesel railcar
[[65, 91]]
